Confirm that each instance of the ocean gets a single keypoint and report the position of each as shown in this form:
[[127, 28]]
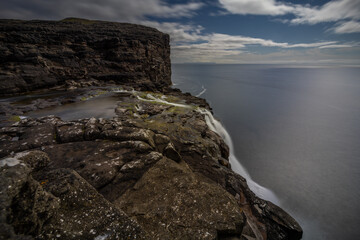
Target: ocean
[[296, 131]]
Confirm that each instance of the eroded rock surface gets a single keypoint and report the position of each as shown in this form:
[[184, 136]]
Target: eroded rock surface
[[157, 164], [155, 171], [57, 204]]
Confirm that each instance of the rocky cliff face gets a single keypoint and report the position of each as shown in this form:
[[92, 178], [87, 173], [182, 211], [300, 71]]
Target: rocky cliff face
[[43, 54], [155, 171]]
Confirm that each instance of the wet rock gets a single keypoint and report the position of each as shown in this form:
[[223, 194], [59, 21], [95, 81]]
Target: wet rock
[[281, 225], [224, 162]]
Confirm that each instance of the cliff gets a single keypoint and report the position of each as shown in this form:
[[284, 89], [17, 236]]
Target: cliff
[[154, 171], [44, 54]]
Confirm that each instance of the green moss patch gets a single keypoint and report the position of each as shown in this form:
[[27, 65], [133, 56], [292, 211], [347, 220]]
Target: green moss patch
[[14, 119]]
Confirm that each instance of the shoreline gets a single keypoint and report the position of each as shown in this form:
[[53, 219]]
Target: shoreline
[[156, 159]]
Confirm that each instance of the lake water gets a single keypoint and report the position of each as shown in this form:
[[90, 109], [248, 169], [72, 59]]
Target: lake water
[[297, 132]]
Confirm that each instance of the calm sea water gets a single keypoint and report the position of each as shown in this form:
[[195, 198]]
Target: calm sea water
[[296, 131]]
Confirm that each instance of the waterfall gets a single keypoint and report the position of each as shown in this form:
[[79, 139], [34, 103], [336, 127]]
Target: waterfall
[[217, 127], [202, 91], [151, 98]]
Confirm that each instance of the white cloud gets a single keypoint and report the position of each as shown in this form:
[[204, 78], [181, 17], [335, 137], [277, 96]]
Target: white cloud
[[311, 57], [113, 10], [347, 27], [231, 42], [190, 44], [330, 12], [223, 48], [336, 46], [178, 32], [257, 7], [333, 11]]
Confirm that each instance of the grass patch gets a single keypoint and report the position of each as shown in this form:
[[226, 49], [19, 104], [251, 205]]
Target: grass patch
[[14, 119]]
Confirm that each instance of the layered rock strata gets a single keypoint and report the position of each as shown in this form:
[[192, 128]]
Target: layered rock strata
[[78, 52]]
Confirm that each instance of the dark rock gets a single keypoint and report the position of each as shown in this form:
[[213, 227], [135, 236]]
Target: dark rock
[[35, 159], [24, 205], [57, 204], [181, 205], [119, 159], [156, 171], [78, 53], [72, 132], [171, 153], [161, 141], [84, 213]]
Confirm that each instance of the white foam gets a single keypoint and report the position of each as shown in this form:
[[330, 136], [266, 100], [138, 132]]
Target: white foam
[[151, 98], [9, 161], [202, 92], [102, 237], [217, 127]]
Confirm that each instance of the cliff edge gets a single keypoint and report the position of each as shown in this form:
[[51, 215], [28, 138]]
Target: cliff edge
[[156, 170], [45, 54]]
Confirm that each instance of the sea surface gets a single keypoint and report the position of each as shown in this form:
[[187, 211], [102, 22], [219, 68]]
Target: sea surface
[[296, 130]]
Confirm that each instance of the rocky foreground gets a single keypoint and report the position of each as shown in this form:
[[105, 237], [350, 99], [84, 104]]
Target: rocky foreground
[[155, 171]]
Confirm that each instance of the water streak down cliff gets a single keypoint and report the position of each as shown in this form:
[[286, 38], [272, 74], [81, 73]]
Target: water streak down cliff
[[157, 170]]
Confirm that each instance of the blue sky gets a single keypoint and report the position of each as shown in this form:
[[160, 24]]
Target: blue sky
[[321, 32]]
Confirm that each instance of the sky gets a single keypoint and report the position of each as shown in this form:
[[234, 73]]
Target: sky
[[305, 32]]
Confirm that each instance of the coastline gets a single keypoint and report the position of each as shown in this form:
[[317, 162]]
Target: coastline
[[151, 132]]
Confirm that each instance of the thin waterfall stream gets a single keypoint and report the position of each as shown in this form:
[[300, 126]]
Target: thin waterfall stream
[[236, 166]]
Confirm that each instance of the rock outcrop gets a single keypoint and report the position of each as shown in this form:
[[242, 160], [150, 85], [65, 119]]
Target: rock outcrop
[[155, 171], [78, 52]]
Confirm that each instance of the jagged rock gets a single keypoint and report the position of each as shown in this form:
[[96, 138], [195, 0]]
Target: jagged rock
[[171, 152], [114, 156], [57, 204], [161, 141], [83, 212], [158, 160], [25, 207]]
